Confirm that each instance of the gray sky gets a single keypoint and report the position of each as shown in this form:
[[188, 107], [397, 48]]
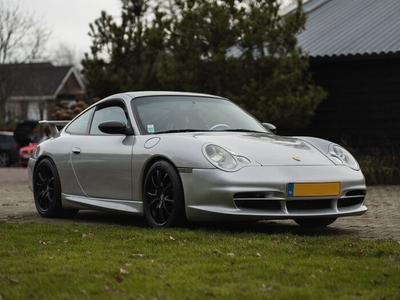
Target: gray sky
[[69, 19]]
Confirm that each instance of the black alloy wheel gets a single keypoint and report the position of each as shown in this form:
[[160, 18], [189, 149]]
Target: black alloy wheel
[[315, 222], [164, 204], [47, 191]]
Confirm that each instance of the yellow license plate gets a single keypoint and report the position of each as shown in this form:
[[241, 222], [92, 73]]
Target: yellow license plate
[[313, 189]]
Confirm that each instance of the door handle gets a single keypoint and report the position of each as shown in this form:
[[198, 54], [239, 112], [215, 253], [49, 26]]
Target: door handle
[[76, 150]]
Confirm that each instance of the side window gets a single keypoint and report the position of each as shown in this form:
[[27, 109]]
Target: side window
[[80, 125], [110, 113]]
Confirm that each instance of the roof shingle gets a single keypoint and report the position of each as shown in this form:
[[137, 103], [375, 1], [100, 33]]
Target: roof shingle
[[37, 79]]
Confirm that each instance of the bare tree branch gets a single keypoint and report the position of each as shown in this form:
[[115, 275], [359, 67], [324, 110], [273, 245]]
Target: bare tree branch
[[66, 55], [22, 40]]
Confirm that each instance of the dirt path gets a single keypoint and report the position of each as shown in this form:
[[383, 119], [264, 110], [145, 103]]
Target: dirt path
[[382, 221]]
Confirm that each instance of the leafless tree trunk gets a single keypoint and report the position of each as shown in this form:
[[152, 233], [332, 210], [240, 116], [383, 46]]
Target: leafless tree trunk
[[22, 40]]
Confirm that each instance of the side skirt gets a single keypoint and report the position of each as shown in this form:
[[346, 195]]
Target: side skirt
[[108, 205]]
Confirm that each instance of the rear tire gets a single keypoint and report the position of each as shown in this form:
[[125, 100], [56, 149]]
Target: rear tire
[[163, 199], [47, 191], [315, 222]]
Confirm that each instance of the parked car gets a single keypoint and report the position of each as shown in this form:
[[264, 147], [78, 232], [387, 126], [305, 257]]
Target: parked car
[[175, 157], [8, 149], [26, 152]]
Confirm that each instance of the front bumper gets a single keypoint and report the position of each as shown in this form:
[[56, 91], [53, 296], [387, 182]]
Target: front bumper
[[257, 193]]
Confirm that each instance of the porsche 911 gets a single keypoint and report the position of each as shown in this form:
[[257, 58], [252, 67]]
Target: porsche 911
[[177, 157]]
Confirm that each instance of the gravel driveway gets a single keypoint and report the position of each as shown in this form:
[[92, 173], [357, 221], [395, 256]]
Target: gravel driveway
[[382, 221]]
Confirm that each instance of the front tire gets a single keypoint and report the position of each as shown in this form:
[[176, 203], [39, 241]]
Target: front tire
[[163, 199], [315, 222], [47, 191]]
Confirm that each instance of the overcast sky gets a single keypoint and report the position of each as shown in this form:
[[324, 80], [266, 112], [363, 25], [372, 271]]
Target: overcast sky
[[69, 19]]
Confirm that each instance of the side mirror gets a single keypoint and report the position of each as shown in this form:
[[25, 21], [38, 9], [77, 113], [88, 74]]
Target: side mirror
[[113, 127], [270, 127]]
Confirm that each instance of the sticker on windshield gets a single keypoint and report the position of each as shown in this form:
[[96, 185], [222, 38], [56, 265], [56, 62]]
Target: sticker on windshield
[[150, 128]]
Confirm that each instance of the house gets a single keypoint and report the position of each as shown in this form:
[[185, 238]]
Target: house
[[37, 87], [354, 49]]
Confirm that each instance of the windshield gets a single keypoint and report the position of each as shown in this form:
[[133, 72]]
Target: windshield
[[162, 114]]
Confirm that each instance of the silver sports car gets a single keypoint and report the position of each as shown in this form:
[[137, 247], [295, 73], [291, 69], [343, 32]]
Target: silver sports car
[[175, 157]]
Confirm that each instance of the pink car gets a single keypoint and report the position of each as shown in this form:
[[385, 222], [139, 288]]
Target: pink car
[[26, 151]]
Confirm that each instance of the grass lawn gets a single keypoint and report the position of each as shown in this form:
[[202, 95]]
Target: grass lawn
[[86, 261]]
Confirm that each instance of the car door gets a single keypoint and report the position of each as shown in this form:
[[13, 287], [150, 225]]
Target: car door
[[102, 162]]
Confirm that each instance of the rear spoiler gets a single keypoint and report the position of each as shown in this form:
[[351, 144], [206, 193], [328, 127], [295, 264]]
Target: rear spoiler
[[53, 125]]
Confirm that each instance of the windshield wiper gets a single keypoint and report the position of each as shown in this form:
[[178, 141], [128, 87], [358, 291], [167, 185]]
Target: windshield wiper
[[205, 130], [179, 130], [243, 130]]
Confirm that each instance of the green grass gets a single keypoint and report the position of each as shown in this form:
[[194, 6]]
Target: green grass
[[78, 261]]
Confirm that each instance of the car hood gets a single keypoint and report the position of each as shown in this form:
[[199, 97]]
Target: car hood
[[268, 149]]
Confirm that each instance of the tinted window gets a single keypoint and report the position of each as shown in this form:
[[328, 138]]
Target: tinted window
[[80, 125]]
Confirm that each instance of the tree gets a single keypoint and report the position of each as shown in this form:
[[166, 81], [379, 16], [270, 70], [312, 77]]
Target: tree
[[65, 55], [22, 40], [241, 49], [124, 56], [201, 34], [246, 51], [277, 85]]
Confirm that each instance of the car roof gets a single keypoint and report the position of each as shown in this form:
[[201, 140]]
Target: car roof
[[6, 133], [162, 93]]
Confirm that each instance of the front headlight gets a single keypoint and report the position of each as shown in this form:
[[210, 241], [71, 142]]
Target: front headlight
[[341, 156], [224, 159]]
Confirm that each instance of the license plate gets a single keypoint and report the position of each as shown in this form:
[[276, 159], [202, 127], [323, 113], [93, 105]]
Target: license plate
[[313, 189]]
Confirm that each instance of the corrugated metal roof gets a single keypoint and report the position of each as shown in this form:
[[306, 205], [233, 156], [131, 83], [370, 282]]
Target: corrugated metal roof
[[351, 27]]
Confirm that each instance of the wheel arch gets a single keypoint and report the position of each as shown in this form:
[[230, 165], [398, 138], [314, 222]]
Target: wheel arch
[[148, 165], [38, 162], [55, 207], [176, 215]]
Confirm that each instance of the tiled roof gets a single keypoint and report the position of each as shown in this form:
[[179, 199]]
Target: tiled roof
[[351, 27], [38, 79]]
